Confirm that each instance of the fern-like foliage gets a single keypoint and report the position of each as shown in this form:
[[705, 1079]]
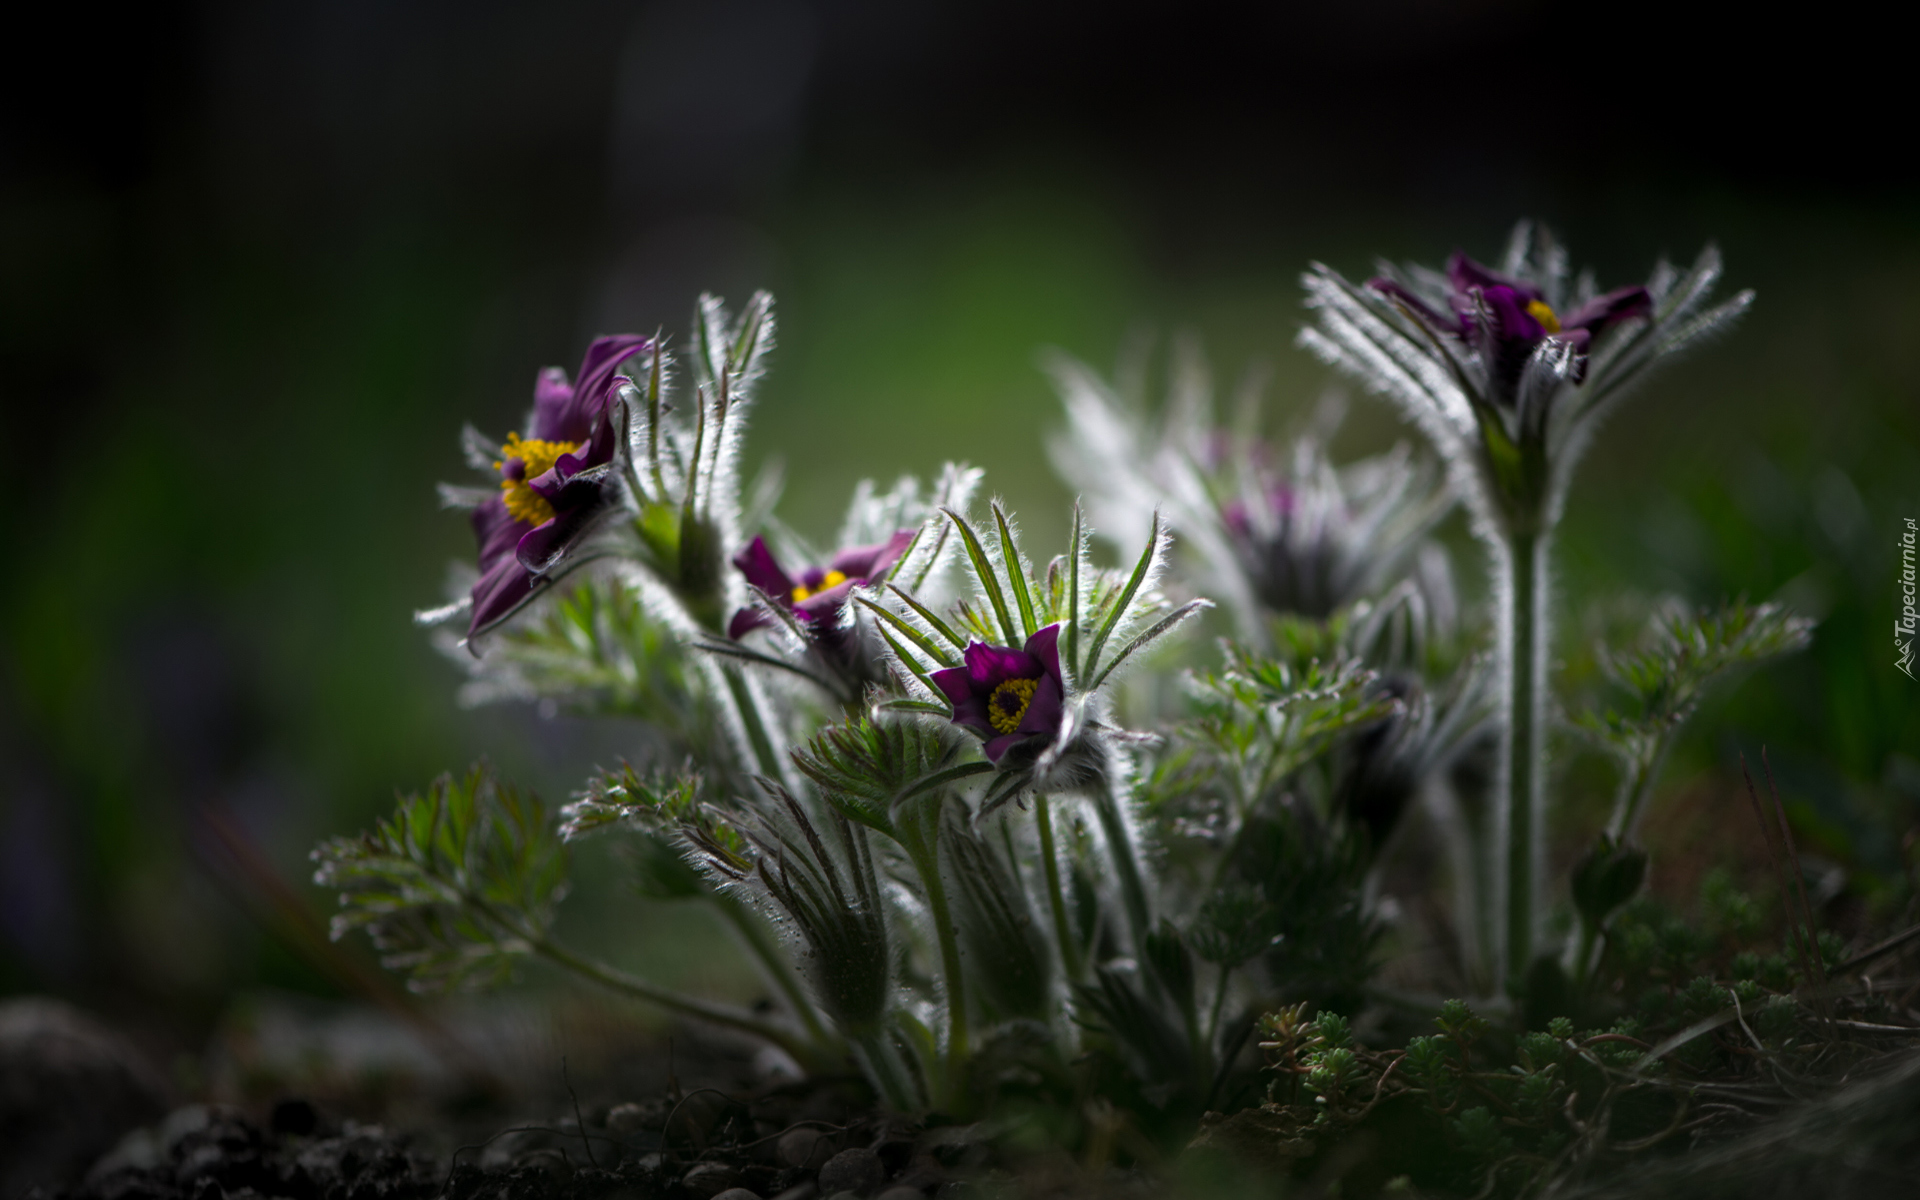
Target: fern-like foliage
[[1262, 718], [1661, 680], [456, 887], [1684, 652], [599, 652]]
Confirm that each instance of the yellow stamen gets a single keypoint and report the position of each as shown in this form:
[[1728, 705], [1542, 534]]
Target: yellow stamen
[[523, 503], [831, 579], [1009, 703], [1541, 312]]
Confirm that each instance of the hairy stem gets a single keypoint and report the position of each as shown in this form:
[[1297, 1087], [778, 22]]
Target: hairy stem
[[617, 980], [918, 830], [1056, 897], [778, 967], [1126, 865], [1219, 1002], [882, 1061], [1588, 941], [1523, 633], [760, 745], [1636, 789]]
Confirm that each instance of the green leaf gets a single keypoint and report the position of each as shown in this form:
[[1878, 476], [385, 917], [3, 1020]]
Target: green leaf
[[906, 660], [926, 614], [983, 571], [906, 630], [1010, 555], [1158, 630], [1076, 552], [1120, 606]]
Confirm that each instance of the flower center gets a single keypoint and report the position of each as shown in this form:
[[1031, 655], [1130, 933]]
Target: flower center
[[521, 461], [1542, 312], [1009, 703], [831, 579]]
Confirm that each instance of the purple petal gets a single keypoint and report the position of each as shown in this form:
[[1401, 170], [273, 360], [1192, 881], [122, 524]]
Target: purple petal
[[969, 704], [563, 414], [1603, 312], [824, 603], [989, 666], [603, 357], [1466, 273], [954, 683], [1234, 516], [762, 570], [997, 747], [1043, 711], [1512, 321], [1045, 647], [1418, 307], [496, 531], [747, 620], [867, 562], [500, 590], [554, 416], [543, 545], [563, 486], [597, 451]]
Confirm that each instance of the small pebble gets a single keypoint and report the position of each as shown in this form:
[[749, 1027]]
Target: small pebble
[[738, 1193], [625, 1120], [806, 1149], [552, 1163], [710, 1179], [902, 1192], [857, 1170], [922, 1173], [695, 1118]]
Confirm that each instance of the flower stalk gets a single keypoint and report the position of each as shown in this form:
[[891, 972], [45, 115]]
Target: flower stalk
[[1509, 373], [616, 980], [1070, 961], [917, 828], [1523, 736]]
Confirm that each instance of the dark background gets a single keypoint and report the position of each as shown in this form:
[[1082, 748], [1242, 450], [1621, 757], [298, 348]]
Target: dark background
[[261, 261]]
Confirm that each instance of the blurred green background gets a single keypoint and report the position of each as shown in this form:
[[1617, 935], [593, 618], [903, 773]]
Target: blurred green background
[[261, 261]]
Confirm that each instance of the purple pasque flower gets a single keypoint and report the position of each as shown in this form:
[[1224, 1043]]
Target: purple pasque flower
[[1007, 696], [1289, 550], [551, 482], [817, 596], [1505, 320]]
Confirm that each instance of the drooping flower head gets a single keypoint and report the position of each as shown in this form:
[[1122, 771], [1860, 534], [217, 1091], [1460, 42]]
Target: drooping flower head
[[553, 481], [1505, 320], [1312, 538], [1510, 372], [1268, 527], [1007, 695], [817, 596]]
